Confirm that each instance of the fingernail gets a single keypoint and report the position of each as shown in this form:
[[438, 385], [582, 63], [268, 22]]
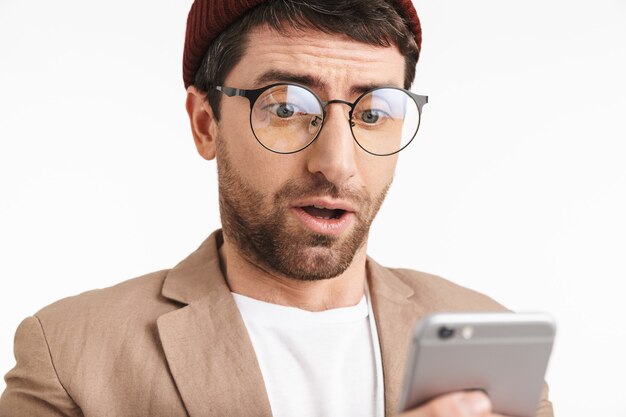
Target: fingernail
[[475, 403]]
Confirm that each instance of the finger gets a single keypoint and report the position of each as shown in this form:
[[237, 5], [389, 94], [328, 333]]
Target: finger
[[460, 404]]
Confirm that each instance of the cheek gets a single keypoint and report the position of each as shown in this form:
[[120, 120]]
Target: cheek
[[378, 172], [237, 144], [259, 168]]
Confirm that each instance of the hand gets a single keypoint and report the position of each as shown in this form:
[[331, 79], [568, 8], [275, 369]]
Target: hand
[[458, 404]]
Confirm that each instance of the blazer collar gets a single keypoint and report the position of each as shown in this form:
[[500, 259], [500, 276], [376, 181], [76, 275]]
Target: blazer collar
[[206, 343]]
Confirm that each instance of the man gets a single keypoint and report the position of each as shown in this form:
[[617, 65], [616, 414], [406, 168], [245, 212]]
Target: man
[[304, 108]]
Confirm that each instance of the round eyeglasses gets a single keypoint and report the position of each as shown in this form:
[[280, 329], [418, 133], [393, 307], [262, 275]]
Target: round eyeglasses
[[286, 118]]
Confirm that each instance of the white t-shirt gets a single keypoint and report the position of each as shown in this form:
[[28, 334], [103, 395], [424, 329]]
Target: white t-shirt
[[317, 364]]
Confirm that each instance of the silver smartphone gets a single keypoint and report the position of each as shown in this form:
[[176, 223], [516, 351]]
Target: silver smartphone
[[503, 354]]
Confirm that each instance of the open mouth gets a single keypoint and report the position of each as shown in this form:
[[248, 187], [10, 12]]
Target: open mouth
[[325, 220], [323, 213]]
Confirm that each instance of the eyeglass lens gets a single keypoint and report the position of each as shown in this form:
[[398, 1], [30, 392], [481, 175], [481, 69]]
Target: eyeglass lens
[[287, 118]]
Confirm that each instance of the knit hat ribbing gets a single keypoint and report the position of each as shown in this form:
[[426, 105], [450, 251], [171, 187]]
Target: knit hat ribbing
[[208, 18]]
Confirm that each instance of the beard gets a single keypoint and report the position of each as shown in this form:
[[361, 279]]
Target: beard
[[258, 224]]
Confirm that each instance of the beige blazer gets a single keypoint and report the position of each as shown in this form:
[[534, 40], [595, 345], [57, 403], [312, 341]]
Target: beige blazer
[[172, 343]]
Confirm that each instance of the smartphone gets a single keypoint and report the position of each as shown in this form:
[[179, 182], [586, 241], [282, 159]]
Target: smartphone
[[503, 354]]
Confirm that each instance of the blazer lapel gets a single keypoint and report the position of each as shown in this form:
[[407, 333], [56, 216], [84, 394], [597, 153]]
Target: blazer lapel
[[395, 317], [206, 343]]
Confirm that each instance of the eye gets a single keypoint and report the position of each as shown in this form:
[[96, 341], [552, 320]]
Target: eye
[[283, 110], [371, 116]]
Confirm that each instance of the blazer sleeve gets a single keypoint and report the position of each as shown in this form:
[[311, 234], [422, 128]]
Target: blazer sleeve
[[33, 387]]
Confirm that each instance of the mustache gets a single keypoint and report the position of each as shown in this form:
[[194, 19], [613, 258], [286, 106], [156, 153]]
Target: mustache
[[319, 186]]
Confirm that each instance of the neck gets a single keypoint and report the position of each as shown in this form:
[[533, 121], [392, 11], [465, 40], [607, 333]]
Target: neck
[[246, 278]]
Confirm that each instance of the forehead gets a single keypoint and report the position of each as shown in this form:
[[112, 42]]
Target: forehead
[[332, 63]]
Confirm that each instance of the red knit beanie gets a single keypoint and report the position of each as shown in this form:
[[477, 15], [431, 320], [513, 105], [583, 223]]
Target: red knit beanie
[[208, 18]]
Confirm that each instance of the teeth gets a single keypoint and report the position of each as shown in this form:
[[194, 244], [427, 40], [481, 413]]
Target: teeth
[[319, 207]]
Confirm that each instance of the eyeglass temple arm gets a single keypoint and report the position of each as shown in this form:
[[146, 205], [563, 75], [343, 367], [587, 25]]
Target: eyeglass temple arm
[[230, 91]]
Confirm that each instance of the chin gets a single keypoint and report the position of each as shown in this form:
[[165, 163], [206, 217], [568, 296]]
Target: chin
[[314, 264]]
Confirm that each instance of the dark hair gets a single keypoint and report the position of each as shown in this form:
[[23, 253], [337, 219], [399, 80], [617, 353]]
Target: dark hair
[[374, 22]]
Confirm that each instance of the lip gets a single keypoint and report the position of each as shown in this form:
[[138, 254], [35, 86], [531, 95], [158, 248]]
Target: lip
[[324, 226], [328, 203]]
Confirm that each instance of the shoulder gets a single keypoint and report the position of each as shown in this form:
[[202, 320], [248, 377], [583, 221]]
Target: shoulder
[[128, 298], [96, 347], [429, 289], [106, 317]]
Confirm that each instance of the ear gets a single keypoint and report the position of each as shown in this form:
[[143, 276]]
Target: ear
[[203, 123]]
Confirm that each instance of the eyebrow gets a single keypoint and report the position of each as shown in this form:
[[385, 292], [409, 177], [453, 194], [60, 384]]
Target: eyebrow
[[311, 81], [285, 76]]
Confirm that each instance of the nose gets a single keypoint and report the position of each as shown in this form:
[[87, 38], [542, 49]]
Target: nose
[[334, 151]]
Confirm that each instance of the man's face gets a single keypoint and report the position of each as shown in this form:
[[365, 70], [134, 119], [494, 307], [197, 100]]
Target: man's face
[[270, 203]]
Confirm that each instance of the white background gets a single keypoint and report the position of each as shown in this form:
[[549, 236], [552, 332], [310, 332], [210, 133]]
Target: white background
[[516, 185]]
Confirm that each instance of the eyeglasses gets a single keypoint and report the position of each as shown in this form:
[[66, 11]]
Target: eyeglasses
[[286, 118]]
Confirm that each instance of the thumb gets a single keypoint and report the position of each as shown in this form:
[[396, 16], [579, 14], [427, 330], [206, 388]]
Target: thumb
[[459, 404]]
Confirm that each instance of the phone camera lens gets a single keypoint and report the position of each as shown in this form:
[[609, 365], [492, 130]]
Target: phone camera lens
[[446, 332]]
